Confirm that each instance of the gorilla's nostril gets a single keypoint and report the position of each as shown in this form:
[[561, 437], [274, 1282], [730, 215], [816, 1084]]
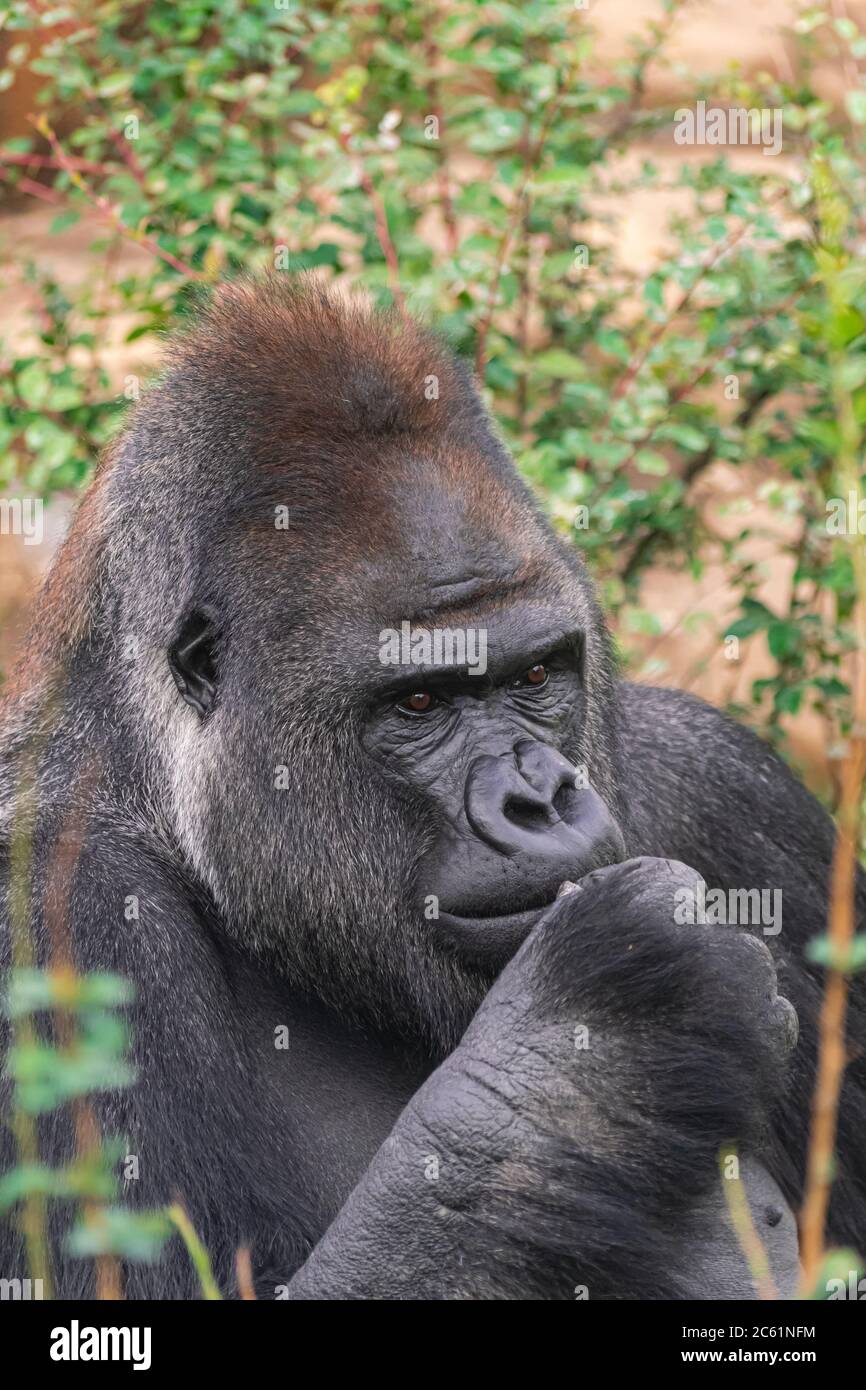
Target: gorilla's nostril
[[527, 815]]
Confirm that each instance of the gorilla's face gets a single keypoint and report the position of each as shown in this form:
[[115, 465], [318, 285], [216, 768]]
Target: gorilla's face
[[406, 738], [490, 753]]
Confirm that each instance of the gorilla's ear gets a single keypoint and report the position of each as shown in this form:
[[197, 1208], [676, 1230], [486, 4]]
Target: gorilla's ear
[[192, 658]]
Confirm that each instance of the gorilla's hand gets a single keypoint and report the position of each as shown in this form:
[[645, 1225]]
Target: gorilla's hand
[[572, 1140], [614, 1011]]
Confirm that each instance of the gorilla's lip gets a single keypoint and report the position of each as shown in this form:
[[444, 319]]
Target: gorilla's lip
[[489, 938]]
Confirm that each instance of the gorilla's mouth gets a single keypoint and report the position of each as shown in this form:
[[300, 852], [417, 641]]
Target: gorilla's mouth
[[489, 938], [494, 938]]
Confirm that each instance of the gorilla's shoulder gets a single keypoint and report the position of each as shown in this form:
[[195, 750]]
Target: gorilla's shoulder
[[673, 726], [692, 776]]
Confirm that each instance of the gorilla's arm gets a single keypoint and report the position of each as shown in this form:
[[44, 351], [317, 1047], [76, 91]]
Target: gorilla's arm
[[572, 1139], [701, 788]]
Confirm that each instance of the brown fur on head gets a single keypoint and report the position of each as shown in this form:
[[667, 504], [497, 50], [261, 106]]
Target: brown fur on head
[[309, 361]]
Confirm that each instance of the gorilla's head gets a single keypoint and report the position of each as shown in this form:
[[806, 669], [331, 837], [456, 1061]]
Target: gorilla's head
[[371, 687]]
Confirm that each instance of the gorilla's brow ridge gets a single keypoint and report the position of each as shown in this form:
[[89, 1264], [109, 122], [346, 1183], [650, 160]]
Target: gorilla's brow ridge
[[514, 647], [449, 605]]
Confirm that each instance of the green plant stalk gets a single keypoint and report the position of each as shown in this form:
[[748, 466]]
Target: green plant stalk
[[831, 1054], [197, 1252], [744, 1228]]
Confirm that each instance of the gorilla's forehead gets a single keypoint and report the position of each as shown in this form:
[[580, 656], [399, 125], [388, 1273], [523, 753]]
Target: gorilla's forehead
[[439, 537], [508, 585], [458, 529]]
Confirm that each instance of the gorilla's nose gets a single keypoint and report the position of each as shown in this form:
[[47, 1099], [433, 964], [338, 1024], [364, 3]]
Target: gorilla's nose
[[523, 826], [515, 803]]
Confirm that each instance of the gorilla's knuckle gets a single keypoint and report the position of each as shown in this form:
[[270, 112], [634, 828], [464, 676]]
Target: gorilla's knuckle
[[752, 945], [787, 1022], [644, 885], [747, 956]]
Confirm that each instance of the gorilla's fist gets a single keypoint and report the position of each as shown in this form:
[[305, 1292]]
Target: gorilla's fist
[[612, 1061]]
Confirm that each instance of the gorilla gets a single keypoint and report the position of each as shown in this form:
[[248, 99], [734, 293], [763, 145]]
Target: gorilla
[[329, 736]]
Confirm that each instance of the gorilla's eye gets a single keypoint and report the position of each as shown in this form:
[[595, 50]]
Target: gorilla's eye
[[536, 675], [418, 703]]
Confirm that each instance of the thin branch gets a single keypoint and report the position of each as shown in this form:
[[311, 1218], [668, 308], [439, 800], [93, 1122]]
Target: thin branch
[[518, 214], [44, 161], [177, 1215], [129, 157], [60, 878], [710, 262], [109, 212], [692, 470], [244, 1273], [36, 190], [446, 201], [383, 235], [34, 1223], [648, 54], [831, 1028], [842, 917], [744, 1228]]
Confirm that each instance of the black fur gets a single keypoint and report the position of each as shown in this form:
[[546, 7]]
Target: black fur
[[263, 905]]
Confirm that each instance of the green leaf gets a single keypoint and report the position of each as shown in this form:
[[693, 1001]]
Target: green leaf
[[654, 291], [788, 700], [756, 617], [851, 962], [685, 436], [855, 105], [33, 384], [559, 364], [649, 461], [783, 639], [132, 1235], [63, 221], [32, 990]]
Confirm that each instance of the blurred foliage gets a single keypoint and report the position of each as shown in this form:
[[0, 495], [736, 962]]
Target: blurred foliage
[[69, 1043], [469, 151], [87, 1057]]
